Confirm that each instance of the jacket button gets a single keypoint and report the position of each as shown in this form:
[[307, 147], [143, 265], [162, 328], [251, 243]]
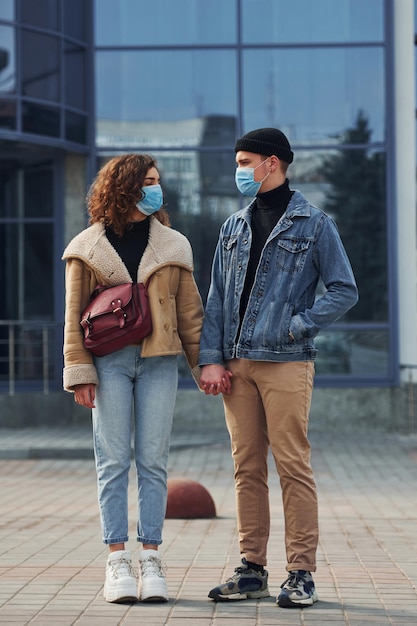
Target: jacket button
[[166, 326], [161, 300]]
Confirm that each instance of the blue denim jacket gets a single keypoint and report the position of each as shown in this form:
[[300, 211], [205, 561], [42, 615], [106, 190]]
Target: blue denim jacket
[[303, 247]]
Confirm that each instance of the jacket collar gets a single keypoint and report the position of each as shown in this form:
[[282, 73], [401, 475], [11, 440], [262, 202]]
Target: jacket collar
[[165, 247], [298, 206]]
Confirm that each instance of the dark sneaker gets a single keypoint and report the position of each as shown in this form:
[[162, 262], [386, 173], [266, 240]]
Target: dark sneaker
[[245, 584], [297, 591]]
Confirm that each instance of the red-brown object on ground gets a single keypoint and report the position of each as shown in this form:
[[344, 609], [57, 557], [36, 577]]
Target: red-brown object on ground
[[187, 499]]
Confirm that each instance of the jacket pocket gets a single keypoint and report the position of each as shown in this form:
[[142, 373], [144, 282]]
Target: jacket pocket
[[291, 253]]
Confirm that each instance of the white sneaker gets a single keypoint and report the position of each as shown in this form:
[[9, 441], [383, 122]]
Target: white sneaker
[[152, 584], [121, 583]]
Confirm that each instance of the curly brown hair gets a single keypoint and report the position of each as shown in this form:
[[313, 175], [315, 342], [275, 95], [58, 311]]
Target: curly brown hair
[[116, 190]]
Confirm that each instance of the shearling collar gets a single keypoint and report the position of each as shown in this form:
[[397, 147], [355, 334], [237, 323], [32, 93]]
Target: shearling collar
[[165, 247]]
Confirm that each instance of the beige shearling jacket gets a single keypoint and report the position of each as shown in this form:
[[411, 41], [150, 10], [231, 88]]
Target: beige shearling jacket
[[175, 303]]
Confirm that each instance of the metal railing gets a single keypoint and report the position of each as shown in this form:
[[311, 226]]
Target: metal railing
[[29, 354]]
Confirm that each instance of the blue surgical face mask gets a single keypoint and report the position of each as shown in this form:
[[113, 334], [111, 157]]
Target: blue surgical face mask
[[152, 201], [245, 180]]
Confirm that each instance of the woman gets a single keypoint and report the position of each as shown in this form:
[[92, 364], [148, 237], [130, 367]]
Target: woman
[[128, 240]]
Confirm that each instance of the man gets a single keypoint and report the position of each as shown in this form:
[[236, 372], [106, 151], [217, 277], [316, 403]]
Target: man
[[257, 349]]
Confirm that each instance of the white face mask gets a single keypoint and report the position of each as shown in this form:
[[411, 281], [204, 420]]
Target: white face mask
[[245, 180]]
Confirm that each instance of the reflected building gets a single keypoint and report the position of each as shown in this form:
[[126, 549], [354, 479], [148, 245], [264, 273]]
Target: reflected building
[[84, 80]]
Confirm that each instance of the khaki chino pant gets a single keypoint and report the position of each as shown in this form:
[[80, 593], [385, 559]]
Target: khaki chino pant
[[269, 406]]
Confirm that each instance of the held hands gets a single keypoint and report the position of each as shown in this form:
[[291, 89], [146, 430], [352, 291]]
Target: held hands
[[215, 379], [85, 395]]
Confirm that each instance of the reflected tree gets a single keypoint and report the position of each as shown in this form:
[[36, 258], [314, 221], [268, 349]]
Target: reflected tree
[[357, 201], [202, 230]]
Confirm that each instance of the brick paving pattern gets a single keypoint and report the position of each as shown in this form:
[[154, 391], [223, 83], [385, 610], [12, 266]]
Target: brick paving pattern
[[52, 559]]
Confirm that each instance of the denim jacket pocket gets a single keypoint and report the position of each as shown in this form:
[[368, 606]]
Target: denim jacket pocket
[[291, 253]]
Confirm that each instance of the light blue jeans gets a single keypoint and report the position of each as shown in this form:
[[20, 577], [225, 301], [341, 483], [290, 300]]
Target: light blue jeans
[[133, 393]]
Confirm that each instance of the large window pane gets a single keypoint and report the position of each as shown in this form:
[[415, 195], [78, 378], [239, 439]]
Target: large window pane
[[164, 22], [312, 21], [7, 60], [350, 186], [40, 70], [162, 97], [314, 94]]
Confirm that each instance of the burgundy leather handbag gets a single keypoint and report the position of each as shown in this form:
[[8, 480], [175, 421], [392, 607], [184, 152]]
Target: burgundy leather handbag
[[116, 317]]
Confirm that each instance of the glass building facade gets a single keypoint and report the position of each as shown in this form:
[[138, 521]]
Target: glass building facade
[[82, 81]]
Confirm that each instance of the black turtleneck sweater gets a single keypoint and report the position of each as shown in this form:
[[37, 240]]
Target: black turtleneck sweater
[[269, 207], [131, 245]]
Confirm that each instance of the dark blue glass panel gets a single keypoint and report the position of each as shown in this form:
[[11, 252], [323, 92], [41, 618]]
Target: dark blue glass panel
[[75, 80], [312, 21], [165, 22], [40, 66], [75, 127], [42, 13], [7, 114], [40, 120], [76, 18]]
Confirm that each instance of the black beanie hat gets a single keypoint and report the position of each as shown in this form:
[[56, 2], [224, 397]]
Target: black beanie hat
[[267, 141]]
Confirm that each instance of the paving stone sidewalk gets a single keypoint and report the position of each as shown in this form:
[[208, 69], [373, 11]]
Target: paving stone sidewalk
[[52, 559]]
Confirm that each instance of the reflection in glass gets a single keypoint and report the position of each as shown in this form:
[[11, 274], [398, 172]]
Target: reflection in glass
[[183, 22], [313, 95], [200, 193], [40, 120], [7, 60], [350, 186], [304, 21], [355, 353], [163, 87], [40, 70], [357, 199]]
